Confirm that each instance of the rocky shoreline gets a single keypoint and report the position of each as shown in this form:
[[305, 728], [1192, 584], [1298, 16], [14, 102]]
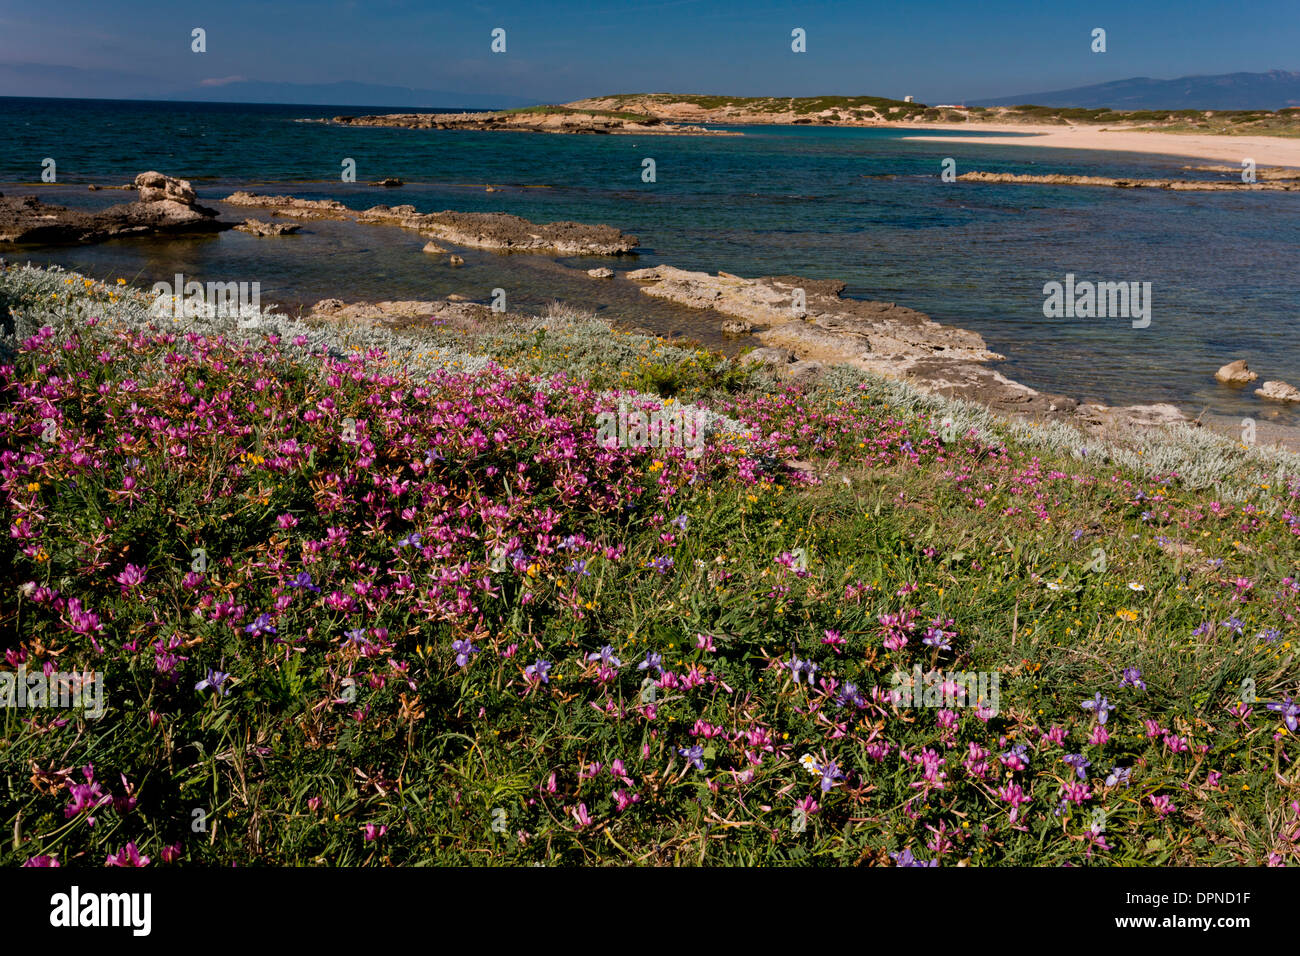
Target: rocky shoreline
[[805, 325], [500, 232], [168, 206]]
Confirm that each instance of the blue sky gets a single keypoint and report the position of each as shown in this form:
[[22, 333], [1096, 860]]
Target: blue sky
[[937, 50]]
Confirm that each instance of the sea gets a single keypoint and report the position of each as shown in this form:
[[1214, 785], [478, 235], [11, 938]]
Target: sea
[[865, 206]]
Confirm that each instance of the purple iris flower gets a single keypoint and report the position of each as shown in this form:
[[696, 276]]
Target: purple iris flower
[[410, 540], [1119, 775], [937, 637], [606, 657], [1289, 711], [303, 580], [578, 567], [680, 522], [653, 659], [214, 681], [1080, 763], [260, 626], [851, 695], [798, 667], [905, 858], [539, 671], [463, 650], [693, 755], [1132, 677], [830, 773], [1100, 706]]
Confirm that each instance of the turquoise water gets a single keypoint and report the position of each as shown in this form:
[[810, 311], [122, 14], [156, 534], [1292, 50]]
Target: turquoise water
[[864, 206]]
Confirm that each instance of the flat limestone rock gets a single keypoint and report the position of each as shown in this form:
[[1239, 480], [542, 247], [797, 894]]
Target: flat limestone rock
[[27, 220], [805, 325], [1279, 391], [482, 230], [1177, 185], [255, 227]]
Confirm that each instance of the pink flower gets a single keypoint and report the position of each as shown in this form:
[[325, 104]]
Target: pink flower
[[132, 577], [128, 856], [1162, 805]]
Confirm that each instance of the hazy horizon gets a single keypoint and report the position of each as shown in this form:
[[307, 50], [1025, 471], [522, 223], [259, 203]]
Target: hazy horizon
[[142, 49]]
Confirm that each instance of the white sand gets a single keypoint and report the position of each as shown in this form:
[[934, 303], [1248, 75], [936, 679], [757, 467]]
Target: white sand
[[1264, 150]]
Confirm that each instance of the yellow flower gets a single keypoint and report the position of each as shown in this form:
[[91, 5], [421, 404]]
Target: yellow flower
[[1124, 614], [34, 486]]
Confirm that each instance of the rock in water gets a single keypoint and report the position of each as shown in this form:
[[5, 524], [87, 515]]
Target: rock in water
[[433, 247], [166, 205], [155, 187], [1236, 373], [601, 273], [255, 227], [1279, 392]]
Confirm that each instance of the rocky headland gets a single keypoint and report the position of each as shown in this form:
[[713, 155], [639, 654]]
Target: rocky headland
[[550, 120]]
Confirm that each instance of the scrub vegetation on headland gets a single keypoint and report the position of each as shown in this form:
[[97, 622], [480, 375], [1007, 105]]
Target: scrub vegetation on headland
[[685, 113], [874, 110], [368, 595]]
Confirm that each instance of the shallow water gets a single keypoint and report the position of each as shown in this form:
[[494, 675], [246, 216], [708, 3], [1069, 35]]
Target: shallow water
[[862, 205]]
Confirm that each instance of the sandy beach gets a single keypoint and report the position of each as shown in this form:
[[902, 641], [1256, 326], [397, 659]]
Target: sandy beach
[[1264, 150]]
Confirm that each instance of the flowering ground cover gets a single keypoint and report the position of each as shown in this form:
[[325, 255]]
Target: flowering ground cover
[[364, 607]]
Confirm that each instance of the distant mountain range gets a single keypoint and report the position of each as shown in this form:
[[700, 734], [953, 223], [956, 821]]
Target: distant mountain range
[[41, 80], [345, 94], [1274, 90]]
